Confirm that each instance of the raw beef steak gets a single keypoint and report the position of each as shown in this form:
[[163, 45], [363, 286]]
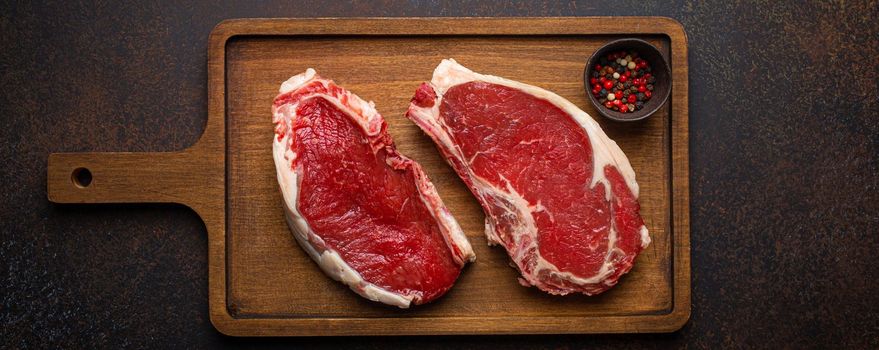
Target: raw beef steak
[[365, 213], [558, 194]]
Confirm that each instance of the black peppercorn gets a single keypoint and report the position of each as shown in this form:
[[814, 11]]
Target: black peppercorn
[[622, 76]]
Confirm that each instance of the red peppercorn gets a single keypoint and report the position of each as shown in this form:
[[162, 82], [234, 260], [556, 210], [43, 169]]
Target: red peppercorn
[[629, 87]]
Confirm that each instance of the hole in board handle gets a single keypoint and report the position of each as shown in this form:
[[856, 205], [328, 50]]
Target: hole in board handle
[[81, 177]]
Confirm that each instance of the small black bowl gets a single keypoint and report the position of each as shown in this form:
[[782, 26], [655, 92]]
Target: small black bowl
[[660, 71]]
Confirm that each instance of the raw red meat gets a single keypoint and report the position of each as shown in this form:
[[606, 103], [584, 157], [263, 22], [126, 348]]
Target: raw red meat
[[366, 214], [558, 194]]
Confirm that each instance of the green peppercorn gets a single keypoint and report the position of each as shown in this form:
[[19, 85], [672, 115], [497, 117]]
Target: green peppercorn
[[650, 87]]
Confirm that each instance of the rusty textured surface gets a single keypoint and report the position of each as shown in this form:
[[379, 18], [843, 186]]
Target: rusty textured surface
[[784, 172]]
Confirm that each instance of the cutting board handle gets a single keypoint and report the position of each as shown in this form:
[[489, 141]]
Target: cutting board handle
[[161, 177]]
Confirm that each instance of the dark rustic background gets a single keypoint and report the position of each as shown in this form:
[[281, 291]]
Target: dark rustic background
[[784, 172]]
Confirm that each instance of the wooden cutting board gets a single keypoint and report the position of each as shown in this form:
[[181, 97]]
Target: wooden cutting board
[[262, 283]]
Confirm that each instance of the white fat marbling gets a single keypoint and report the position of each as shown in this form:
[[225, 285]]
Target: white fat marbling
[[645, 237], [366, 116], [605, 152], [297, 80], [328, 259]]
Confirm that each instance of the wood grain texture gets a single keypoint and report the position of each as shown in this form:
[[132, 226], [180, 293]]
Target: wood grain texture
[[261, 283]]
